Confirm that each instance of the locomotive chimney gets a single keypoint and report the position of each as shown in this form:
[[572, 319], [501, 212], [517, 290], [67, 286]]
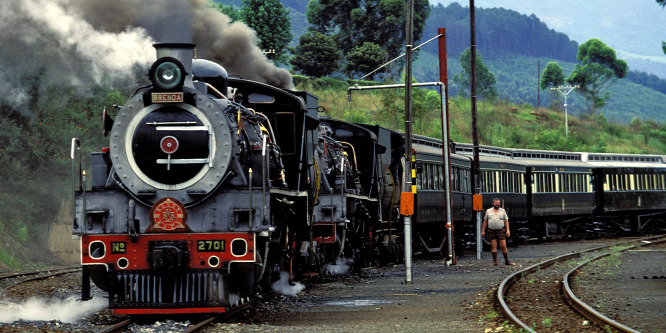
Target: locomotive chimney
[[183, 52]]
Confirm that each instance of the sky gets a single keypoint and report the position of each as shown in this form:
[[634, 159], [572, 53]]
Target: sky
[[635, 29]]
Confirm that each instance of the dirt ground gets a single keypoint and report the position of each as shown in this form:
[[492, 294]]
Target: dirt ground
[[439, 299], [458, 298]]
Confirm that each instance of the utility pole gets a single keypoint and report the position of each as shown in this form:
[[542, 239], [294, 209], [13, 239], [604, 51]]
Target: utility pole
[[538, 81], [408, 139], [476, 168], [565, 91]]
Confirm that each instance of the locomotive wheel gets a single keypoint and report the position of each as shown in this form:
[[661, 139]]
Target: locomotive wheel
[[100, 277]]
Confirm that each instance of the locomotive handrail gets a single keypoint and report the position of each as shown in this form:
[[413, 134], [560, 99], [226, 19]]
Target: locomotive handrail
[[217, 92], [76, 148]]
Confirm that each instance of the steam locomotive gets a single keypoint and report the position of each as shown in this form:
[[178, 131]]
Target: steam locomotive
[[212, 187]]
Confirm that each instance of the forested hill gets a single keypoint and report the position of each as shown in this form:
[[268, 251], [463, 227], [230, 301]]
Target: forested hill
[[498, 30]]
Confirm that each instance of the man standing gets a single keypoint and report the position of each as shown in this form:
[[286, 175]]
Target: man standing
[[497, 223]]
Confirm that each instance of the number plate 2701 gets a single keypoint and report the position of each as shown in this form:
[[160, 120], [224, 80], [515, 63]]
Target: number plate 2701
[[210, 245]]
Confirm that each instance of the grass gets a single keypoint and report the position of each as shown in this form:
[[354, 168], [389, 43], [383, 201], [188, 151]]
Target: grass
[[8, 259], [500, 123]]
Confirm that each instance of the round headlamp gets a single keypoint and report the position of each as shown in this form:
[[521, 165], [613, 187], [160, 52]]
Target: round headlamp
[[167, 73]]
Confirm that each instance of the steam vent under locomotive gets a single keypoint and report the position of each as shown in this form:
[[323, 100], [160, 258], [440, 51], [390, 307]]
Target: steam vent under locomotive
[[179, 215]]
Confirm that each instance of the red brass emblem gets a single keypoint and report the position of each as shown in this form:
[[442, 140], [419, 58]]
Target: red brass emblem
[[167, 214]]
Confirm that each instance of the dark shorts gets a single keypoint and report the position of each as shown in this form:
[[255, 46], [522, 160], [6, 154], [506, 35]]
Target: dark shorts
[[496, 234]]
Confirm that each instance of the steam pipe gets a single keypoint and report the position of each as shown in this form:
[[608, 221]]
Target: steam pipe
[[76, 148], [83, 202], [250, 203], [264, 165], [263, 266]]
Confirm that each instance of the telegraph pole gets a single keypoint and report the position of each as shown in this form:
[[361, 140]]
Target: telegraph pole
[[408, 139], [538, 82], [476, 168], [565, 91]]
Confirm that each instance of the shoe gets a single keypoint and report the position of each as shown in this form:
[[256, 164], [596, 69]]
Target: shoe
[[508, 263], [494, 263]]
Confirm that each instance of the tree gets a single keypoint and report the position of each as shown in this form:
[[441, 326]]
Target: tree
[[271, 21], [552, 76], [355, 22], [230, 10], [364, 59], [485, 80], [316, 55], [597, 70]]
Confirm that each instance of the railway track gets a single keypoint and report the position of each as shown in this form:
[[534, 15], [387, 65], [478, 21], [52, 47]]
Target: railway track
[[12, 280], [541, 297], [203, 323]]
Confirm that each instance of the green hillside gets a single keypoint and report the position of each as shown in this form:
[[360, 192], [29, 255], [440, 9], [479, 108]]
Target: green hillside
[[500, 123], [517, 78], [516, 48]]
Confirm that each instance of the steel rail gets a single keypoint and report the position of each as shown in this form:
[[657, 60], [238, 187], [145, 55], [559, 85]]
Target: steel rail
[[117, 327], [588, 311], [61, 271], [234, 311], [508, 282], [36, 272]]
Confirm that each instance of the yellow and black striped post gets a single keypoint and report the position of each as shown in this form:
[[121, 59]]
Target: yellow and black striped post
[[413, 174]]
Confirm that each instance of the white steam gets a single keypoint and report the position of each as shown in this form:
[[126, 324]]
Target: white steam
[[282, 285], [106, 52], [69, 310], [341, 266]]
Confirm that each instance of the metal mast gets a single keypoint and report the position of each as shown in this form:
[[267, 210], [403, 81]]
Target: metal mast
[[476, 168], [565, 91], [408, 138]]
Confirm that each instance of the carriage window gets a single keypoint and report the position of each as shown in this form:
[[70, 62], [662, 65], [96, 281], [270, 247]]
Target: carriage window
[[549, 182], [503, 184], [486, 181], [467, 180], [489, 181], [651, 182], [612, 182], [424, 185], [433, 183]]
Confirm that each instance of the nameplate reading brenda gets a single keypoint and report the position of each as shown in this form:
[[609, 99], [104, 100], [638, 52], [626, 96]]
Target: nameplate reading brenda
[[172, 97]]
